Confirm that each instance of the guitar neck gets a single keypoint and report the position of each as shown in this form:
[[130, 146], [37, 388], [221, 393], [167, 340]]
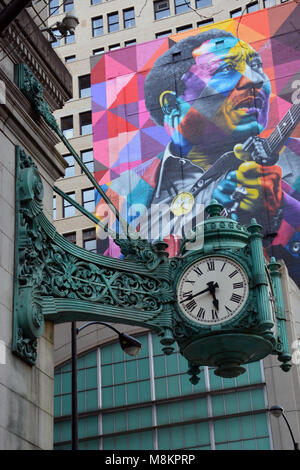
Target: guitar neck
[[277, 139]]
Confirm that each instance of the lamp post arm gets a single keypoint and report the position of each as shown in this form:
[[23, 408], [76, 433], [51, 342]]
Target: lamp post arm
[[296, 445], [97, 323]]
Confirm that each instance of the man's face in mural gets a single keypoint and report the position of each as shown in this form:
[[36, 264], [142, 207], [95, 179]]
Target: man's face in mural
[[227, 93]]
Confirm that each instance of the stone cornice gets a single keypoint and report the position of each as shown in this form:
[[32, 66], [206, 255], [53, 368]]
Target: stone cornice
[[24, 42]]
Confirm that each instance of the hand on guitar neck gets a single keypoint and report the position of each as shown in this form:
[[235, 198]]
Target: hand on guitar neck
[[256, 149]]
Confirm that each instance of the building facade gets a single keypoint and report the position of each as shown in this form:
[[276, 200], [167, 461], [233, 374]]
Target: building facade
[[26, 392], [148, 402]]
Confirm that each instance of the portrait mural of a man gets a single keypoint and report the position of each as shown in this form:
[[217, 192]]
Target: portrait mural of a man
[[207, 119]]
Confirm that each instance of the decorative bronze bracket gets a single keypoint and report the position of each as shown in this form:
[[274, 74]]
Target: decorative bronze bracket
[[58, 281]]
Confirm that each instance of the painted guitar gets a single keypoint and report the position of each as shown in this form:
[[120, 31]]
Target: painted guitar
[[271, 145]]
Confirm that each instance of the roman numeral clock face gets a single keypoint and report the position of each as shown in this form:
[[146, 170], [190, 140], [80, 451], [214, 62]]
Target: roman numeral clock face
[[212, 290]]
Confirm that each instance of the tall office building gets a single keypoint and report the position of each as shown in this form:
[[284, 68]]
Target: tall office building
[[148, 402]]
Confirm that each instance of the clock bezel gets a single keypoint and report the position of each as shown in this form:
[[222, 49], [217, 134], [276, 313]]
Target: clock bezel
[[242, 263]]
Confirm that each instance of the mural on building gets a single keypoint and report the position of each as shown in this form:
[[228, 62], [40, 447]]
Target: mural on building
[[209, 113]]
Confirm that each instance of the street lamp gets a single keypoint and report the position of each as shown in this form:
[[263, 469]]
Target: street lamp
[[278, 411], [67, 25], [129, 344]]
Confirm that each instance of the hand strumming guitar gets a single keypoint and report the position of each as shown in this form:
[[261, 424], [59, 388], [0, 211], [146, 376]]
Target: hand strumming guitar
[[257, 188]]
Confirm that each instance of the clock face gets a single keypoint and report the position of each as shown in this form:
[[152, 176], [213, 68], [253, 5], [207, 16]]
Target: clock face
[[212, 290]]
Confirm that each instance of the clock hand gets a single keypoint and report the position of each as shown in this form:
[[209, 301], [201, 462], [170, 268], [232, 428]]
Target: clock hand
[[212, 288], [211, 285]]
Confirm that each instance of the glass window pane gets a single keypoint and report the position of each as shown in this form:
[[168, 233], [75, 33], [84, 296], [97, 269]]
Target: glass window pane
[[85, 121], [68, 5], [70, 38], [87, 157], [53, 7], [269, 3], [161, 9], [181, 6], [68, 209], [252, 7], [128, 16], [66, 124], [97, 26], [203, 3], [70, 170], [113, 22], [84, 85]]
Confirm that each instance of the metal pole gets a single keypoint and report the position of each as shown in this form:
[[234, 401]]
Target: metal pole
[[74, 388]]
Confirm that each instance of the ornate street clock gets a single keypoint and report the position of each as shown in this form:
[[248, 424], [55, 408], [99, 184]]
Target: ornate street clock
[[228, 299]]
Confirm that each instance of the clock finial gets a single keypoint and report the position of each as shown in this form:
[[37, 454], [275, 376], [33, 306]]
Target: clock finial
[[214, 209]]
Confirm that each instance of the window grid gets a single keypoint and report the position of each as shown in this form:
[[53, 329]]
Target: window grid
[[68, 209], [85, 123], [87, 157], [183, 423], [70, 170], [97, 26], [113, 22], [128, 18], [88, 199]]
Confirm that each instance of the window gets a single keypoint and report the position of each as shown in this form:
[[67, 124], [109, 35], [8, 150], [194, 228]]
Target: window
[[203, 3], [88, 199], [53, 7], [70, 170], [70, 58], [269, 3], [70, 38], [68, 5], [95, 2], [97, 26], [205, 22], [66, 124], [84, 84], [161, 9], [163, 34], [182, 5], [184, 28], [71, 237], [235, 13], [85, 122], [128, 18], [56, 34], [252, 7], [113, 22], [89, 240], [113, 47], [54, 208], [68, 209], [87, 157], [131, 42], [98, 51]]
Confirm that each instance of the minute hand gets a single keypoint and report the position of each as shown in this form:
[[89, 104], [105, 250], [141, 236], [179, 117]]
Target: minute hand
[[198, 293]]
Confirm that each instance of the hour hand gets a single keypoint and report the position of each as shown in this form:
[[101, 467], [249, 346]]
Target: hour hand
[[212, 288]]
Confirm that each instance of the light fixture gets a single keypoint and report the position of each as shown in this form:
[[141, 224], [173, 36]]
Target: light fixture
[[278, 411], [67, 25], [130, 345]]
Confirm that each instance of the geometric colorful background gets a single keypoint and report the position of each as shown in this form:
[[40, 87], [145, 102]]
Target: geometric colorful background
[[127, 142]]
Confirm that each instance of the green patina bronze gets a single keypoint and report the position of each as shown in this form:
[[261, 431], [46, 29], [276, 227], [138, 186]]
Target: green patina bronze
[[58, 281]]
